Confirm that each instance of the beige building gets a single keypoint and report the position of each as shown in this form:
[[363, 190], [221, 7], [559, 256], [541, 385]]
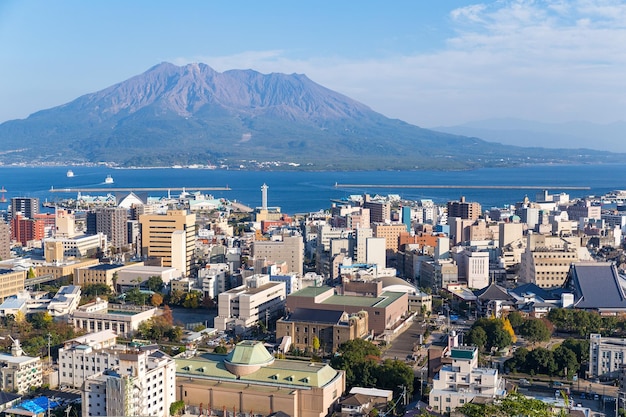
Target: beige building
[[391, 234], [11, 282], [65, 269], [122, 319], [5, 241], [250, 380], [170, 236], [65, 224], [100, 274], [547, 259], [331, 328], [289, 250], [74, 247]]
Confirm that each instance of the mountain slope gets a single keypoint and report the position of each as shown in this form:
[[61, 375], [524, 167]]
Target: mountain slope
[[609, 137], [191, 114]]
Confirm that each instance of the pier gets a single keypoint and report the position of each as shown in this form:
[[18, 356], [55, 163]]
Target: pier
[[133, 189], [474, 187]]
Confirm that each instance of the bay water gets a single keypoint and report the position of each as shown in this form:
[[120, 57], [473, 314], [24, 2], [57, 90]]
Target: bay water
[[302, 192]]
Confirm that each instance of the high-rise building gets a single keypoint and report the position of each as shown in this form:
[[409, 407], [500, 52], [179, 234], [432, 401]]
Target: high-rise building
[[159, 238], [28, 206], [120, 381], [5, 241], [24, 229], [379, 211], [463, 209], [65, 224], [391, 234], [112, 222], [289, 250]]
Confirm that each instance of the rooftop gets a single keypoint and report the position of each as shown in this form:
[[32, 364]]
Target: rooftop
[[383, 301]]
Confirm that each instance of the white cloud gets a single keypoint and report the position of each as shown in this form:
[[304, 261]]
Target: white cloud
[[543, 60]]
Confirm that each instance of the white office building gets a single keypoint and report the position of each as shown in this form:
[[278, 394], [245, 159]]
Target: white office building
[[242, 307]]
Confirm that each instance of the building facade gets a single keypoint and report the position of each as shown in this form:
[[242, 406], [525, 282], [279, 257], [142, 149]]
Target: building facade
[[257, 300], [250, 380], [463, 380], [330, 328], [100, 315], [159, 238]]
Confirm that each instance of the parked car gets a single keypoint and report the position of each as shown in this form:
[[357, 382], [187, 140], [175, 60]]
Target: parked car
[[524, 382], [557, 384]]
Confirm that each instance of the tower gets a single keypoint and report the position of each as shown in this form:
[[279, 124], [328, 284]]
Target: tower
[[264, 188]]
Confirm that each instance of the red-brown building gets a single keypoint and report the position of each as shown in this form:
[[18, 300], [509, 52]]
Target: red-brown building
[[24, 229]]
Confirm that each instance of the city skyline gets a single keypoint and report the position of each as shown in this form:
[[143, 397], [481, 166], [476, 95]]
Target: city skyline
[[430, 64]]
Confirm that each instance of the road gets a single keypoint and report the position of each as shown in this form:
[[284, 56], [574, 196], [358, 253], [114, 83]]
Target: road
[[406, 343]]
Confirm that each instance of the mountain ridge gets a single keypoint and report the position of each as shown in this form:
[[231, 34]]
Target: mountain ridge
[[192, 114]]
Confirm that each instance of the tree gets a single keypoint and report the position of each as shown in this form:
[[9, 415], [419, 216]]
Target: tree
[[156, 299], [497, 336], [96, 290], [393, 375], [513, 405], [177, 407], [541, 361], [477, 337], [535, 330], [566, 361], [358, 358], [506, 325], [316, 344], [192, 300], [167, 315], [222, 350], [155, 283], [41, 321], [516, 319], [31, 273], [579, 347]]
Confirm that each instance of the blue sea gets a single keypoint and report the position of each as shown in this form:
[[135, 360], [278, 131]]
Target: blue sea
[[301, 192]]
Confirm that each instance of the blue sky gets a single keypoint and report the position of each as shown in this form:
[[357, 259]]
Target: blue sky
[[428, 62]]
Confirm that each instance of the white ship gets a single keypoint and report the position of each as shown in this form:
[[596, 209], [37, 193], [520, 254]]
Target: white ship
[[108, 180], [69, 173]]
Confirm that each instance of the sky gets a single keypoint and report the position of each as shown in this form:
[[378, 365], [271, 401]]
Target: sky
[[428, 62]]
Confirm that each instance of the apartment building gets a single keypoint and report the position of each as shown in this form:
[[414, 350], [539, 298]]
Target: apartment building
[[116, 380], [390, 232], [289, 250], [19, 372], [463, 209], [112, 222], [142, 384], [463, 380], [75, 247]]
